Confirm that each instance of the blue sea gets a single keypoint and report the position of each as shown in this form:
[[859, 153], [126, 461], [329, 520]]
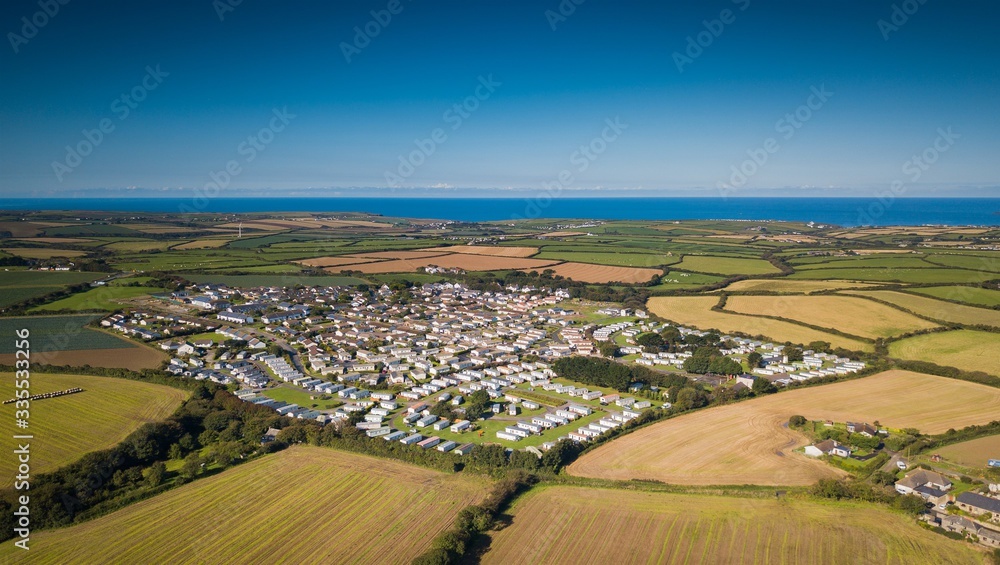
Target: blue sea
[[836, 211]]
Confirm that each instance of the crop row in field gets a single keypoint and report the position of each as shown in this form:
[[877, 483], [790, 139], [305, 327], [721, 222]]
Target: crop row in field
[[696, 312], [563, 524], [58, 333], [302, 505], [747, 443], [72, 425]]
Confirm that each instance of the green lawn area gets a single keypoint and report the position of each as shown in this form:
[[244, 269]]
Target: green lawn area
[[59, 333], [295, 395], [102, 298]]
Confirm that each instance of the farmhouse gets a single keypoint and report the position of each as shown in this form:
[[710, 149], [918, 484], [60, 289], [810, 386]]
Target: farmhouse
[[922, 478], [977, 504]]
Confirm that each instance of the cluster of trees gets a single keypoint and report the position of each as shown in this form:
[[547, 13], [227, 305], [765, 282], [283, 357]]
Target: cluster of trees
[[606, 373], [453, 545], [708, 359], [837, 489], [211, 427]]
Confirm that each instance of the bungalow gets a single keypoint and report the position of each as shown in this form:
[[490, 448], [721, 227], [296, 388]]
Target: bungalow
[[446, 446], [460, 426], [920, 478], [464, 449], [861, 428], [828, 447]]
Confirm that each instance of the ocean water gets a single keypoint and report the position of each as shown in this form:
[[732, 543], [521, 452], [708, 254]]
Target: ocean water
[[836, 211]]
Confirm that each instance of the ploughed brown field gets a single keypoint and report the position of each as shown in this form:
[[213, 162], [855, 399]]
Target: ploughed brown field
[[586, 272], [134, 358], [749, 442]]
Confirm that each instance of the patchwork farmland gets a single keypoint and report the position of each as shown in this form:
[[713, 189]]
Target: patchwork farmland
[[323, 506], [103, 415], [936, 309], [696, 311], [848, 314], [619, 526], [703, 448]]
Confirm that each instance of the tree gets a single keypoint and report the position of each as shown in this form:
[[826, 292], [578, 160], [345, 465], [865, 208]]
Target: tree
[[797, 421], [762, 386], [754, 360], [175, 452], [794, 354], [192, 466], [650, 341], [156, 473], [607, 348], [688, 398]]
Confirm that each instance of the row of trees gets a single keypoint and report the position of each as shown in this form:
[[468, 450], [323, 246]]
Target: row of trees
[[607, 373]]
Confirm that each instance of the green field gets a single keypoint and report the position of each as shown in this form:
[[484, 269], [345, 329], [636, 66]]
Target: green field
[[273, 280], [302, 505], [564, 524], [726, 265], [295, 395], [974, 262], [18, 286], [967, 294], [58, 333], [67, 427], [965, 349], [930, 275], [102, 298]]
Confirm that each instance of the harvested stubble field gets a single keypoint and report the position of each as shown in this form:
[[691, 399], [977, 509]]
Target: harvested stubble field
[[401, 254], [855, 316], [790, 286], [726, 265], [965, 349], [302, 505], [72, 425], [937, 309], [202, 244], [929, 276], [562, 524], [748, 443], [586, 272], [491, 250], [972, 453], [696, 311]]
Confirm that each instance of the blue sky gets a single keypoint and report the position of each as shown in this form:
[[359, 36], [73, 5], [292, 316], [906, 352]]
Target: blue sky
[[538, 83]]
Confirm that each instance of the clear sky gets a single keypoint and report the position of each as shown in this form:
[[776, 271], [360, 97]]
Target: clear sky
[[288, 96]]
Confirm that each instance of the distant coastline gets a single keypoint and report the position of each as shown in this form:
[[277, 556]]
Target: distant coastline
[[847, 212]]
